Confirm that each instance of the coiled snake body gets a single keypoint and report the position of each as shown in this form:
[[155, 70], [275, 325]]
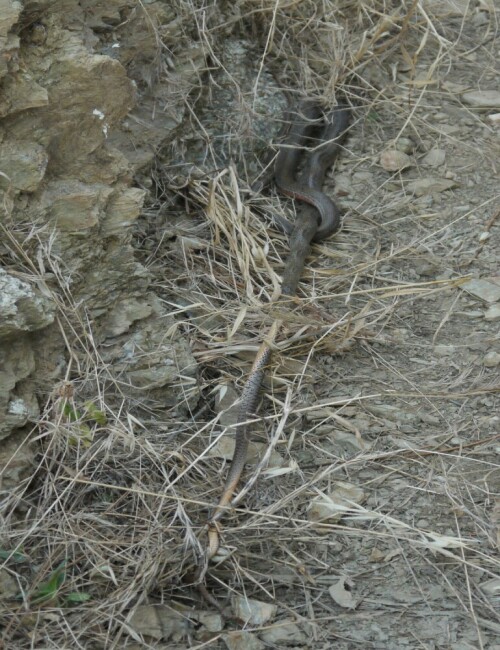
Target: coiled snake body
[[316, 221]]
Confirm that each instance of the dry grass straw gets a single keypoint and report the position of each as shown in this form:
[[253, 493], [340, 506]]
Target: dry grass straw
[[121, 501]]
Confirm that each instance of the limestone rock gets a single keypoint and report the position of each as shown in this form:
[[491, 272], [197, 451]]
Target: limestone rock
[[24, 163], [22, 309], [73, 206], [17, 403]]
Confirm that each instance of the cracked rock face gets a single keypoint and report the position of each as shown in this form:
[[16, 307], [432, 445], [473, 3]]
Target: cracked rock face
[[67, 160]]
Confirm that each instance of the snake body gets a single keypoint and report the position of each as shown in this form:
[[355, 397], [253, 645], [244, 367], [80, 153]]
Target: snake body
[[319, 219]]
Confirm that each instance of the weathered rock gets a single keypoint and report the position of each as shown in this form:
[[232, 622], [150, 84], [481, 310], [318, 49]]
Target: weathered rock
[[482, 98], [17, 402], [9, 14], [393, 160], [425, 186], [253, 612], [487, 289], [22, 309], [21, 92], [330, 508], [24, 163], [434, 158], [492, 313]]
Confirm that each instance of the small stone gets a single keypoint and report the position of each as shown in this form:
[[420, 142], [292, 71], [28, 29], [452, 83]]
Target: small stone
[[253, 612], [241, 640], [494, 118], [285, 634], [434, 158], [491, 359], [482, 98], [488, 289], [428, 418], [406, 145], [331, 507], [376, 555], [393, 160], [493, 313], [425, 186]]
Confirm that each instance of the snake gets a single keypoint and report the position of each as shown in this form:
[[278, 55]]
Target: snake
[[318, 219]]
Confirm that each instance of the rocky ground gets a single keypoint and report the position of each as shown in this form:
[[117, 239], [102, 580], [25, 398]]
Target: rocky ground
[[137, 273]]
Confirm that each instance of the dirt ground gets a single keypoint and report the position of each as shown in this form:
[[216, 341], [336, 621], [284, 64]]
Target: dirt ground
[[375, 521], [399, 408]]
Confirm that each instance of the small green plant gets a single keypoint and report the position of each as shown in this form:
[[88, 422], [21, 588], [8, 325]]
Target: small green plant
[[89, 414], [49, 592]]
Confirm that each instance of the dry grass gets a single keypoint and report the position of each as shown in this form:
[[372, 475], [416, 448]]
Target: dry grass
[[115, 509]]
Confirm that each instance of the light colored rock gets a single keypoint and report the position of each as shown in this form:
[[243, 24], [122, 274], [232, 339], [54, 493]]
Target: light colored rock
[[486, 99], [20, 93], [123, 314], [434, 158], [24, 163], [425, 186], [393, 160], [253, 612], [122, 210], [406, 145], [491, 359], [9, 15], [73, 206], [17, 402], [487, 289], [22, 308], [159, 622], [285, 633], [149, 361], [224, 448], [330, 508], [492, 313]]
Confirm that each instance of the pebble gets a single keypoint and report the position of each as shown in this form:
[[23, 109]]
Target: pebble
[[434, 158], [482, 98], [425, 186], [241, 640], [488, 289], [331, 507], [253, 612], [491, 359], [493, 313], [406, 145], [393, 160], [285, 634]]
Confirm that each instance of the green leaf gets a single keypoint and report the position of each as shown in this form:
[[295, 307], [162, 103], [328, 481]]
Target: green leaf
[[70, 412], [13, 556], [93, 413], [48, 590], [76, 597]]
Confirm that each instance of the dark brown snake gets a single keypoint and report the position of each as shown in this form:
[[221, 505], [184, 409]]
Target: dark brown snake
[[319, 219]]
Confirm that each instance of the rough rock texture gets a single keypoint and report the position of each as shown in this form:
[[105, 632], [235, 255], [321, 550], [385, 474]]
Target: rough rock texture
[[70, 144]]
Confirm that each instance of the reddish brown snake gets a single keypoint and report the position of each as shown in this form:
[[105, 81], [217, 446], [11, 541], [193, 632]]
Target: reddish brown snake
[[312, 225]]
